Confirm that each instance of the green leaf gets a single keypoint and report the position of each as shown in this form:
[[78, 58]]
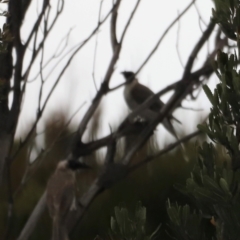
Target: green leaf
[[113, 224], [173, 215], [209, 94], [185, 214], [155, 232], [224, 185]]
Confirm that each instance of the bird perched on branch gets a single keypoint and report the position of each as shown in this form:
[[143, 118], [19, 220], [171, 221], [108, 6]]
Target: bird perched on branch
[[136, 94], [60, 196]]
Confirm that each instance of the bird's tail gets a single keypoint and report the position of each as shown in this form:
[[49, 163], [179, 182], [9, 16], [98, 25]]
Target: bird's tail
[[168, 125], [59, 230]]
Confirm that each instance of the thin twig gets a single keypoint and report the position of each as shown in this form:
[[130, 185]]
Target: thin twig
[[164, 151], [184, 87], [72, 57], [97, 186], [105, 84], [43, 154], [200, 16], [113, 23], [163, 36], [197, 48], [58, 52], [177, 44], [129, 21], [37, 23], [37, 50], [95, 48], [55, 84]]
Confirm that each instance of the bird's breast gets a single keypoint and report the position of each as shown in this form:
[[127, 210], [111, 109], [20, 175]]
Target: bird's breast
[[132, 104]]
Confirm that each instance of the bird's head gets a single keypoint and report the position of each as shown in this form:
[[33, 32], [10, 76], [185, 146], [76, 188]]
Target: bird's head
[[75, 165], [129, 76], [71, 164]]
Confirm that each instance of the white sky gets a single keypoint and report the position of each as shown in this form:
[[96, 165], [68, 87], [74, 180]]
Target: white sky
[[151, 19]]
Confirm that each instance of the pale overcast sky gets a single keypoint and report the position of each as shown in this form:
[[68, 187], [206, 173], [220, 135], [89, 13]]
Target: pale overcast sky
[[150, 21]]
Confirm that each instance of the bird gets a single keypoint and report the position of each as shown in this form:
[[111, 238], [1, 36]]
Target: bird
[[136, 94], [60, 196]]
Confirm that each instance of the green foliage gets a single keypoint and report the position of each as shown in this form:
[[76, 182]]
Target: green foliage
[[129, 228], [212, 187], [164, 172], [227, 14], [5, 34], [215, 192], [183, 223], [224, 119]]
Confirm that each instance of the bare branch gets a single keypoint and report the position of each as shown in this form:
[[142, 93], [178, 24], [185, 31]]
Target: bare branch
[[162, 37], [197, 48], [56, 83], [113, 23], [37, 23], [37, 50], [43, 154], [129, 21], [58, 52], [184, 88], [72, 57], [33, 219], [200, 16], [111, 171], [164, 151], [30, 225], [177, 44], [105, 85], [111, 174], [95, 48]]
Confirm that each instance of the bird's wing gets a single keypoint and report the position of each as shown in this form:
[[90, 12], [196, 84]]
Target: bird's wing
[[66, 193], [142, 93], [60, 192]]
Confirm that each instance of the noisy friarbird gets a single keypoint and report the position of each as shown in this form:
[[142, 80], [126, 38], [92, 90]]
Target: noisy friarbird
[[136, 94], [60, 196]]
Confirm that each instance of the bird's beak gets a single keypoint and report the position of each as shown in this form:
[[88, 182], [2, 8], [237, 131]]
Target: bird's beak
[[74, 165]]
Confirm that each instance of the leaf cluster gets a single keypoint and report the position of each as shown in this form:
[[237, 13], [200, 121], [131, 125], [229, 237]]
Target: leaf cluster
[[215, 192], [123, 226], [227, 15], [184, 223], [224, 118], [215, 189], [5, 33]]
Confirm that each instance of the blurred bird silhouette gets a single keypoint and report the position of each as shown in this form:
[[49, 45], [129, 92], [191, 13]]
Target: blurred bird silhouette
[[136, 94], [60, 196]]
